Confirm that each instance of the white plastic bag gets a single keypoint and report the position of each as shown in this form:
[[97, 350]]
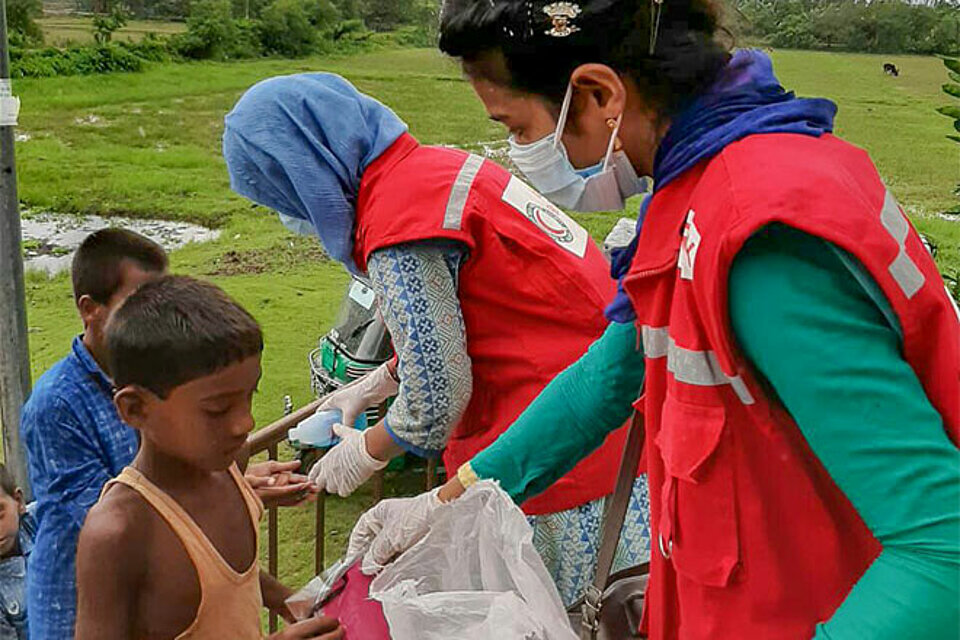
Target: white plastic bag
[[306, 602], [475, 575], [620, 236]]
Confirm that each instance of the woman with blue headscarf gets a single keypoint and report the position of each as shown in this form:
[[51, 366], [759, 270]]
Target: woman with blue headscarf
[[801, 354], [488, 290]]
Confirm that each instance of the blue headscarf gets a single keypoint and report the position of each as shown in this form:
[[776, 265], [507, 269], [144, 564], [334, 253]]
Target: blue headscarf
[[747, 99], [299, 144]]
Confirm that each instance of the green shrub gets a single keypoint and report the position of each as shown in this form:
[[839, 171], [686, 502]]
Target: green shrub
[[246, 44], [75, 61], [210, 31], [21, 22], [952, 110], [104, 26], [285, 29], [151, 48], [353, 29]]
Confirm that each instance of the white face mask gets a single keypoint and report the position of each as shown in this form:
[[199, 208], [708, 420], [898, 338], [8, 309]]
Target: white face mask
[[296, 225], [602, 187]]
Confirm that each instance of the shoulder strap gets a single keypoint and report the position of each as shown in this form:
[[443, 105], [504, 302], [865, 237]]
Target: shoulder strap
[[204, 555], [613, 517], [616, 509]]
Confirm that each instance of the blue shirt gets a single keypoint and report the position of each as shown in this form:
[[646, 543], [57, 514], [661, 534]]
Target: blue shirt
[[13, 578], [75, 443]]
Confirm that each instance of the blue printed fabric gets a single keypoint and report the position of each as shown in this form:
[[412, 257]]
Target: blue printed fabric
[[13, 580], [569, 541], [75, 443], [417, 288]]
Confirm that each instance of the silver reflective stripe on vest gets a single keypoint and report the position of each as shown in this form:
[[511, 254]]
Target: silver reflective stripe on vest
[[903, 269], [656, 341], [453, 216], [698, 368]]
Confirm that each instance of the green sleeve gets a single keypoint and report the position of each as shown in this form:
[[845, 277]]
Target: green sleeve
[[865, 415], [570, 418]]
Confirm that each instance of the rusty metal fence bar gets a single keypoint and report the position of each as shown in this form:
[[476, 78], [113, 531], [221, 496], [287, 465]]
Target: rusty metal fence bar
[[268, 440]]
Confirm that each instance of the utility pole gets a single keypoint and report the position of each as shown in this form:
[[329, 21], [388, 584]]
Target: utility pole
[[14, 354]]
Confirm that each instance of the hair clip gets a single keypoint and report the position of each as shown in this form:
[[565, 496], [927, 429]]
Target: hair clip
[[561, 13], [656, 8]]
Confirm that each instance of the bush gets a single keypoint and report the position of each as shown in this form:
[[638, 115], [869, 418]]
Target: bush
[[21, 22], [41, 63], [350, 30], [285, 29], [104, 26], [952, 110], [151, 49], [211, 30], [213, 33]]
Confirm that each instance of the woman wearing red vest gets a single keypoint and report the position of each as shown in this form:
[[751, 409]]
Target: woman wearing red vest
[[488, 290], [801, 353]]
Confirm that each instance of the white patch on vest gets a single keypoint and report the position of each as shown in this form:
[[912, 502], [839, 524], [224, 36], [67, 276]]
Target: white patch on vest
[[557, 225], [362, 294], [688, 247]]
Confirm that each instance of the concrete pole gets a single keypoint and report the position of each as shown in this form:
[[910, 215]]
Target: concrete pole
[[14, 354]]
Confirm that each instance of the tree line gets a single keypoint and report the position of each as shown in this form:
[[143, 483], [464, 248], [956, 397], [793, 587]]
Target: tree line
[[869, 26]]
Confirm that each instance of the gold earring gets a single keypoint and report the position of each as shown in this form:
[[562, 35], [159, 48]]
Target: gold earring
[[612, 124]]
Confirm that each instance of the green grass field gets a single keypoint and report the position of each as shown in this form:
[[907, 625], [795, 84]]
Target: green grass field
[[154, 151], [60, 31]]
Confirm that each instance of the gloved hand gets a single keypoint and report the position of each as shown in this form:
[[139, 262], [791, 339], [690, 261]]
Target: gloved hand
[[361, 394], [347, 465], [391, 527]]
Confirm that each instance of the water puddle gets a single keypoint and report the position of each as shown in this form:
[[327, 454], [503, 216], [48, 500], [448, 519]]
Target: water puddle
[[50, 239]]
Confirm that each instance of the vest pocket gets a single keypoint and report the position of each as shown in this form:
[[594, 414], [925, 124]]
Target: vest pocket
[[698, 520]]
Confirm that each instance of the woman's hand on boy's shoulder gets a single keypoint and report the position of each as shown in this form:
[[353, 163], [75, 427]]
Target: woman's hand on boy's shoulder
[[319, 628]]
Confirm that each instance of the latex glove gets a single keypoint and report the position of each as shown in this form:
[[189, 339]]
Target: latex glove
[[361, 394], [347, 465], [390, 528]]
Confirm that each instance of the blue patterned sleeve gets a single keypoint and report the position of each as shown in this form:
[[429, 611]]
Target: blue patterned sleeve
[[416, 285]]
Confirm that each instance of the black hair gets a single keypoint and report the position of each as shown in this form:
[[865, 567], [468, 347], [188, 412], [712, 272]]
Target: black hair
[[96, 264], [7, 483], [687, 58], [176, 329]]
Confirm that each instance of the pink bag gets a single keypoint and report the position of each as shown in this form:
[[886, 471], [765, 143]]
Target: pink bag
[[361, 616], [342, 592]]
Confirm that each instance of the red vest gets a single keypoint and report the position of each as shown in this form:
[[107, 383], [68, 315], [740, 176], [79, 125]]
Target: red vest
[[532, 290], [755, 539]]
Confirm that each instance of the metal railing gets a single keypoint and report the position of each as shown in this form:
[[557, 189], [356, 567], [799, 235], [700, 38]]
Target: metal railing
[[268, 440]]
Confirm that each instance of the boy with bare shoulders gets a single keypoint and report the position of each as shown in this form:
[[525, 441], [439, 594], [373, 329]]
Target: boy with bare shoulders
[[170, 551]]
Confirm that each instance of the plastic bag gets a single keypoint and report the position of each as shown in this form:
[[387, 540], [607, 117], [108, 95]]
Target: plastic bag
[[306, 602], [620, 236], [342, 592], [475, 575]]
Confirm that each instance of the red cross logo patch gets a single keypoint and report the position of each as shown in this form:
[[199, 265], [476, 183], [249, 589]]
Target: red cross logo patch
[[688, 247]]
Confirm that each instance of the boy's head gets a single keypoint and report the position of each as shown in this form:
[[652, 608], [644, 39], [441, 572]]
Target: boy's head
[[185, 359], [11, 507], [108, 266]]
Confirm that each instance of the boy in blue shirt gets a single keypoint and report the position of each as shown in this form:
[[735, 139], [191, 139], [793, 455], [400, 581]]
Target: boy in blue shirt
[[74, 438]]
